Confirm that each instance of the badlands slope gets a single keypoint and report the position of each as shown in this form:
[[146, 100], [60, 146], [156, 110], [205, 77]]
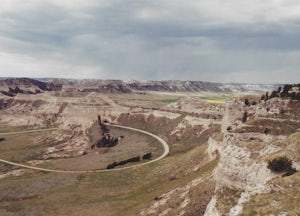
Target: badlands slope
[[217, 163]]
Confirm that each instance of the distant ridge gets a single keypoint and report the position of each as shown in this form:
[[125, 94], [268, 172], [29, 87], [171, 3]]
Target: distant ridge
[[13, 86], [172, 86]]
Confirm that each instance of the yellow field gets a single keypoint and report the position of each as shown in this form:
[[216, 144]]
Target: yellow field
[[216, 101]]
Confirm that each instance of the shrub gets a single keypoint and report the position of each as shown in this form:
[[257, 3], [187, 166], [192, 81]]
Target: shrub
[[147, 156], [247, 103], [281, 164], [267, 131], [229, 128]]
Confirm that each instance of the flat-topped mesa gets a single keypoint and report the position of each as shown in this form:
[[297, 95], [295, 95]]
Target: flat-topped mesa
[[130, 86], [12, 87]]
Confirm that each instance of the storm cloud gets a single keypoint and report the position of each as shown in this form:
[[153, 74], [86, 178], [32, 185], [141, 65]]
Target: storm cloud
[[221, 41]]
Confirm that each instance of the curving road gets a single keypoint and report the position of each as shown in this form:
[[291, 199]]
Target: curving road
[[163, 142]]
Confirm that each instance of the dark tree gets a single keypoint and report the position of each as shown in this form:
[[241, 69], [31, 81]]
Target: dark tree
[[281, 164], [247, 103], [279, 89], [123, 162], [245, 116], [147, 156], [107, 142], [267, 96], [134, 159], [267, 131], [273, 94], [111, 166], [285, 92]]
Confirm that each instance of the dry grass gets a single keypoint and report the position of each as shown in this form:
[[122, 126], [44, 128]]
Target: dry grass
[[216, 101], [25, 147], [132, 145], [124, 192], [22, 147], [145, 100], [228, 198], [275, 127], [116, 193], [284, 198]]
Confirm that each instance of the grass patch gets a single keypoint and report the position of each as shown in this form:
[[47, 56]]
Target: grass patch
[[149, 191], [21, 147], [123, 192], [146, 100], [228, 197], [284, 198], [169, 100], [216, 99]]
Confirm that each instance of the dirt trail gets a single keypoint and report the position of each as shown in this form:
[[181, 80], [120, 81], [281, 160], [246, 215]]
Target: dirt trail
[[225, 120], [29, 131], [164, 143]]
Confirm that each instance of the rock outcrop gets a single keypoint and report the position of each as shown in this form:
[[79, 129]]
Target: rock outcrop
[[242, 171], [12, 87]]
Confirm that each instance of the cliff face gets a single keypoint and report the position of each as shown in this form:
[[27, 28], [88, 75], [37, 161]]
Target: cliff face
[[172, 86], [12, 87], [242, 175]]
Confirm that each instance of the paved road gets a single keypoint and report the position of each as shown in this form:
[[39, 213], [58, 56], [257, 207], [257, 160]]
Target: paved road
[[164, 143]]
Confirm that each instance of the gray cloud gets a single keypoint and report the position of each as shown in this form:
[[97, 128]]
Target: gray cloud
[[240, 41]]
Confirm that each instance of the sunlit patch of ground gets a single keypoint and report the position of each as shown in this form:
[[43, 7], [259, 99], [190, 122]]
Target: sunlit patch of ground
[[216, 101]]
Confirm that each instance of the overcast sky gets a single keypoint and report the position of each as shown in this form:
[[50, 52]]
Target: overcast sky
[[211, 40]]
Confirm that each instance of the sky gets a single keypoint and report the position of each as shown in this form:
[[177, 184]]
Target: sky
[[249, 41]]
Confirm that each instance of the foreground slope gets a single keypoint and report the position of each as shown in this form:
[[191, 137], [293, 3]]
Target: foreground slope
[[254, 135]]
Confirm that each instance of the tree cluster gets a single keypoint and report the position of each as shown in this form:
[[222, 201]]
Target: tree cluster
[[248, 103], [147, 156], [107, 140], [130, 160], [285, 92]]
